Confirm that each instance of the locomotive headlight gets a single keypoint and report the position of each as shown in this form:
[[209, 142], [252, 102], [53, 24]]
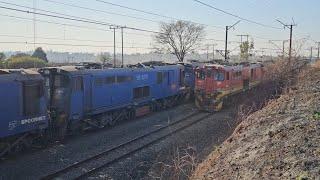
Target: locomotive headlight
[[59, 93]]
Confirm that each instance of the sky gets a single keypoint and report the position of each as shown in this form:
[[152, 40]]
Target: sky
[[17, 28]]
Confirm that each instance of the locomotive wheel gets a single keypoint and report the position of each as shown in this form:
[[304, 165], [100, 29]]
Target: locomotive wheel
[[112, 122], [197, 103], [62, 127], [113, 119], [3, 147], [219, 106], [62, 131]]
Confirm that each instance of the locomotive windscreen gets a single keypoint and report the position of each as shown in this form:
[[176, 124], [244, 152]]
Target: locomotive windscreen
[[32, 92], [60, 89]]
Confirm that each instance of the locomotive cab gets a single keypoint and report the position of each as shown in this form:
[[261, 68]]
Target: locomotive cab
[[23, 113], [57, 84], [211, 83]]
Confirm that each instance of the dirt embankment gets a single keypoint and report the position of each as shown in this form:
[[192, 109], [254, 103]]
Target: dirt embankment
[[281, 141]]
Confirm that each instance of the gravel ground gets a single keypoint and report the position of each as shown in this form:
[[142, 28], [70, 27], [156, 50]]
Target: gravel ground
[[36, 164], [200, 138]]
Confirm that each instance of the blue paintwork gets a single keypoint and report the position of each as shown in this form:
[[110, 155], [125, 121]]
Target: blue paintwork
[[11, 106], [95, 99], [189, 78]]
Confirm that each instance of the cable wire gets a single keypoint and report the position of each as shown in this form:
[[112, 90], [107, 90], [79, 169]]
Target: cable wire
[[155, 14], [69, 17], [71, 45], [236, 16]]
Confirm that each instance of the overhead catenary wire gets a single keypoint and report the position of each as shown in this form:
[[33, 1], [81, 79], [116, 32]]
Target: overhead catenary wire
[[63, 39], [123, 15], [72, 18], [71, 45], [86, 27], [78, 19], [236, 16], [66, 24], [99, 10], [156, 14]]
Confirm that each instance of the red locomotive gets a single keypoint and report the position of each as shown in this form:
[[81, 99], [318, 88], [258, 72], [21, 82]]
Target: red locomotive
[[216, 82]]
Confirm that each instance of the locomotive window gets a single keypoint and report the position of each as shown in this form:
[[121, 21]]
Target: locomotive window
[[110, 80], [77, 84], [200, 74], [209, 73], [98, 82], [181, 77], [228, 76], [141, 92], [146, 91], [252, 73], [122, 79], [237, 75], [159, 77], [218, 76], [165, 74], [60, 81], [32, 92]]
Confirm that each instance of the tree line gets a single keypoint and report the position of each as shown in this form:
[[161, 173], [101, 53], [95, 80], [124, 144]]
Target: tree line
[[21, 60]]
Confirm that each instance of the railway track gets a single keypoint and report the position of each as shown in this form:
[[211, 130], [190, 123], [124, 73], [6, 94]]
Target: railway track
[[93, 164]]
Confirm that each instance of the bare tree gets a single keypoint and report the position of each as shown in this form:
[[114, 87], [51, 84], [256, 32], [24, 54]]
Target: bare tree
[[104, 58], [179, 38]]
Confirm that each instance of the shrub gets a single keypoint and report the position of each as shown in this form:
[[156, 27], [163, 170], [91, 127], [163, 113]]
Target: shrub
[[39, 53], [24, 62]]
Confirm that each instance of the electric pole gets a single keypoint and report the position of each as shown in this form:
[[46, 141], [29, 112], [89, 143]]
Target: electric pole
[[318, 50], [114, 43], [207, 52], [290, 26], [213, 45], [283, 46], [226, 43], [34, 23], [290, 44], [122, 46]]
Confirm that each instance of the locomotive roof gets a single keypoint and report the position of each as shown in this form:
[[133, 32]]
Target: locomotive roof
[[73, 70], [233, 67], [18, 71], [19, 75]]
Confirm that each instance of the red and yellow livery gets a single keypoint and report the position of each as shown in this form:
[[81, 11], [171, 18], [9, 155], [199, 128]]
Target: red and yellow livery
[[215, 82]]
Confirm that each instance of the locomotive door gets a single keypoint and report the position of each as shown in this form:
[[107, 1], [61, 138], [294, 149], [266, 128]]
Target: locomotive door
[[208, 83], [171, 82], [77, 98], [87, 99]]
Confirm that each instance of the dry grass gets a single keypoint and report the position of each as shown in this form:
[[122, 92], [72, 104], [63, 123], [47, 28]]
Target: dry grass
[[317, 64], [182, 165]]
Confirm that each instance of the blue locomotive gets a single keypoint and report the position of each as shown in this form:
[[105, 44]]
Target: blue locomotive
[[91, 98], [58, 100], [23, 113]]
